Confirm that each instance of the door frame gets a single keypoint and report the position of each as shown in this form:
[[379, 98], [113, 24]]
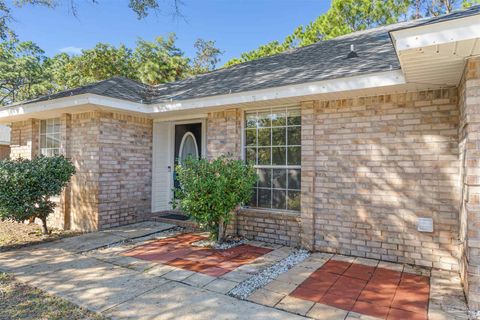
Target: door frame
[[203, 150]]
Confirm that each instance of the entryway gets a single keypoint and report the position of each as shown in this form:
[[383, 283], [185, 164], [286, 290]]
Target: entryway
[[173, 142]]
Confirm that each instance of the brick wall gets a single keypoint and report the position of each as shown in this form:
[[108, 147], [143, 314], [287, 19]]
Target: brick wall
[[112, 154], [469, 101], [382, 162], [273, 227], [24, 139], [4, 151], [85, 155], [224, 133], [125, 171]]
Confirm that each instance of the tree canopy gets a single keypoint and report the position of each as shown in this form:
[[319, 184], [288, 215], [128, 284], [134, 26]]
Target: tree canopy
[[346, 16], [27, 72]]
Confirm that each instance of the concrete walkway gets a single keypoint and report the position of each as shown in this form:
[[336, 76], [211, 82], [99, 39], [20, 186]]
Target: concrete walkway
[[62, 268]]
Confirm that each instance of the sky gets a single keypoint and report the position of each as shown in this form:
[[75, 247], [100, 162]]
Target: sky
[[236, 25]]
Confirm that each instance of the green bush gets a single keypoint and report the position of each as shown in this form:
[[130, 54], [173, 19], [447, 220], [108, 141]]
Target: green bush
[[211, 190], [26, 187]]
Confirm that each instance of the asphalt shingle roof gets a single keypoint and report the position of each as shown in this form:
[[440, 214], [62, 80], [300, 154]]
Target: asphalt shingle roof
[[320, 61]]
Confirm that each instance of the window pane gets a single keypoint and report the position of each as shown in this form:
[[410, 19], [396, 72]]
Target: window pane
[[56, 141], [294, 156], [294, 117], [279, 199], [293, 202], [264, 178], [56, 128], [264, 119], [264, 137], [251, 137], [279, 137], [279, 118], [264, 156], [264, 198], [251, 120], [279, 156], [251, 155], [50, 126], [253, 201], [43, 141], [294, 136], [43, 126], [279, 178], [294, 177]]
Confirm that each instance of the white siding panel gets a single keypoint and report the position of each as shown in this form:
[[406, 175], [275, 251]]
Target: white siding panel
[[161, 175]]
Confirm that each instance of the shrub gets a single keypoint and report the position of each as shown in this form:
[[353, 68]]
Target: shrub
[[211, 190], [26, 187]]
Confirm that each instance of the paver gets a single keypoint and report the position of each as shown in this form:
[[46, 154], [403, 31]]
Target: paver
[[323, 312], [199, 279], [266, 297], [179, 252], [295, 305], [221, 285], [366, 289]]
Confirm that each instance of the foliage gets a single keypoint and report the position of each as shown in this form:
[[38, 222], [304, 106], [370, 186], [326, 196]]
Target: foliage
[[23, 69], [26, 72], [207, 56], [26, 187], [141, 8], [211, 190], [160, 61], [346, 16]]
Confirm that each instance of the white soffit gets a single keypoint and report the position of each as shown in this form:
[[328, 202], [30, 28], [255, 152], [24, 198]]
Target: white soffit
[[435, 54]]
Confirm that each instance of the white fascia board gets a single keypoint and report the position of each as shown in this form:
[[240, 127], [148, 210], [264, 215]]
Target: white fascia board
[[71, 103], [68, 104], [381, 79], [437, 33]]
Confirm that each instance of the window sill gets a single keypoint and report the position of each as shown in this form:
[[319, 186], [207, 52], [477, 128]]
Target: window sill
[[259, 211]]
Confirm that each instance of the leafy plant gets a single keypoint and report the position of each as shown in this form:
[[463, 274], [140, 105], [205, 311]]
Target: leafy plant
[[26, 187], [211, 190]]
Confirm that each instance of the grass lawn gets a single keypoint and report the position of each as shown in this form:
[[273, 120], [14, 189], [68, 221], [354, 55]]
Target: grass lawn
[[14, 235], [19, 301]]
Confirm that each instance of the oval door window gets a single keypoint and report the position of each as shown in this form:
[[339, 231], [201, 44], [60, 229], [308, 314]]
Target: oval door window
[[188, 147]]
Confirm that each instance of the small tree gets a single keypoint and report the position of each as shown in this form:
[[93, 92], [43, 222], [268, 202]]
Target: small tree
[[26, 187], [211, 190]]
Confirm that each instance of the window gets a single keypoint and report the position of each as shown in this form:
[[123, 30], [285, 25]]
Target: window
[[50, 137], [273, 144]]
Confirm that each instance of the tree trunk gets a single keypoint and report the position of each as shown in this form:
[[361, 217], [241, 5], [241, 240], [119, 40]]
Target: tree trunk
[[221, 230], [44, 225]]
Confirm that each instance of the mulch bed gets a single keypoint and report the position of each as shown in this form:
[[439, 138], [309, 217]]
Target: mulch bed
[[15, 235]]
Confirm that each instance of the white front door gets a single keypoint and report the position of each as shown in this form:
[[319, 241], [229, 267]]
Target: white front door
[[162, 166]]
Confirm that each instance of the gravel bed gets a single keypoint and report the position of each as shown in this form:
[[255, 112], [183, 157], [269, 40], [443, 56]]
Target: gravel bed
[[219, 246], [247, 287]]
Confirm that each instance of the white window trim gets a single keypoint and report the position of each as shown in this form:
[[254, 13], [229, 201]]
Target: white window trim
[[46, 134], [244, 149]]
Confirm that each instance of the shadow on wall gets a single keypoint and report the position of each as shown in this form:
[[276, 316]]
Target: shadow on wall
[[383, 162]]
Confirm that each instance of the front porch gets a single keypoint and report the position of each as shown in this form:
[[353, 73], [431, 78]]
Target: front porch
[[152, 271]]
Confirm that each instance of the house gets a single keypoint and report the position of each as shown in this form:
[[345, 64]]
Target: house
[[366, 145], [4, 142]]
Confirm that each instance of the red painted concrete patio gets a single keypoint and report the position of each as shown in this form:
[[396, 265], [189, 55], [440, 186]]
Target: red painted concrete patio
[[367, 290], [179, 252]]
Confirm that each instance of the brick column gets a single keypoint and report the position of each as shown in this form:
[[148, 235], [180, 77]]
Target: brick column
[[470, 133], [65, 150], [224, 134], [307, 215]]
